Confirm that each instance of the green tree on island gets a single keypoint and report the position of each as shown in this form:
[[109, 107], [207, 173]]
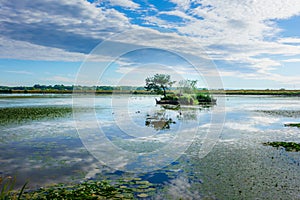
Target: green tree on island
[[159, 83], [187, 93]]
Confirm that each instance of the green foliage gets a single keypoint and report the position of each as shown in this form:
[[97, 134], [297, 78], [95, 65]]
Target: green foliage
[[289, 146], [86, 190], [204, 98], [6, 187], [190, 99], [7, 192], [24, 114], [159, 83], [172, 97], [293, 125]]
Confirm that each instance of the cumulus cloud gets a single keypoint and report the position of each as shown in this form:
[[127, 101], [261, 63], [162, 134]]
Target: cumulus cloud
[[243, 36], [72, 26], [289, 40], [15, 49], [125, 3], [182, 4]]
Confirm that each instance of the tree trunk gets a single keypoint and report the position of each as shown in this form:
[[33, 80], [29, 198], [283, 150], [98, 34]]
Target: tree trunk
[[165, 95]]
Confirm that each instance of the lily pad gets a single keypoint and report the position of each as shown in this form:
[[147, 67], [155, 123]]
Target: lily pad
[[142, 195]]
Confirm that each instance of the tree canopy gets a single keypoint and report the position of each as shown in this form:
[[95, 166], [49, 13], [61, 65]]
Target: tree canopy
[[159, 83]]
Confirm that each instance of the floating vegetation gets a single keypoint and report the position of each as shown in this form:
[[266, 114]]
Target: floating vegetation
[[282, 113], [140, 188], [25, 114], [130, 188], [293, 125], [85, 190], [170, 107], [288, 146], [159, 121]]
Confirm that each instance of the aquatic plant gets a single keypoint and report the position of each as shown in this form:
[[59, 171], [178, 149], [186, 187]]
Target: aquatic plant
[[7, 185], [84, 190], [25, 114], [288, 146]]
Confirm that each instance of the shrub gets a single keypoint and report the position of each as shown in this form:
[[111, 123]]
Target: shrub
[[187, 100], [172, 97], [204, 98]]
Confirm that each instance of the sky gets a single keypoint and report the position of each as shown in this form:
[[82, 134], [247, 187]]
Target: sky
[[231, 44]]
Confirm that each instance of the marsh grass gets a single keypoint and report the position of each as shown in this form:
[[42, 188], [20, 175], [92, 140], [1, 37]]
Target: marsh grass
[[25, 114], [7, 191], [6, 187]]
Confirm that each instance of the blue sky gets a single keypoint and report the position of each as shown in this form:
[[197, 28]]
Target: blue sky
[[246, 44]]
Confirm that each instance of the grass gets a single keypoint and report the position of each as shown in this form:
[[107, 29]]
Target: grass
[[288, 146], [7, 189], [25, 114]]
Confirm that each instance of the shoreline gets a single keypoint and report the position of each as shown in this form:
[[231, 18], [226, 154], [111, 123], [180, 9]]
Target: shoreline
[[225, 92]]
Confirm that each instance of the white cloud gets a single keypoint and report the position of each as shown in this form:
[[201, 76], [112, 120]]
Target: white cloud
[[24, 50], [125, 3], [282, 79], [19, 72], [296, 60], [289, 40], [241, 33], [178, 13], [75, 26], [182, 4]]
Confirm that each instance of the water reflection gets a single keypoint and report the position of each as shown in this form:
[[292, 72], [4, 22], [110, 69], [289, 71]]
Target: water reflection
[[50, 151], [159, 121], [168, 115]]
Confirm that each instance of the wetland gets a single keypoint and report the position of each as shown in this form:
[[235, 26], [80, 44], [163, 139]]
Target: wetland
[[42, 142]]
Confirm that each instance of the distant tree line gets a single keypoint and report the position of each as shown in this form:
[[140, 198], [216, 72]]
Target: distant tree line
[[65, 88]]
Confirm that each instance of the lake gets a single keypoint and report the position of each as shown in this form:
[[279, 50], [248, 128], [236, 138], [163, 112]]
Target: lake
[[213, 152]]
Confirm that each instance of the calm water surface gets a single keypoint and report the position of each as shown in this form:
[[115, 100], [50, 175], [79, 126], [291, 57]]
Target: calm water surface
[[238, 167]]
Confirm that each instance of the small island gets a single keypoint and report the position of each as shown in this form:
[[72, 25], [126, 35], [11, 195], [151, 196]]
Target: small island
[[185, 94]]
